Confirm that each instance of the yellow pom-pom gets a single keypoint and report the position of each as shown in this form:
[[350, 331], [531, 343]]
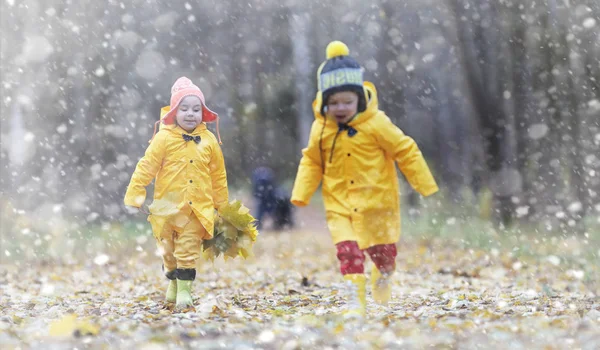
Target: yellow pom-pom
[[336, 49]]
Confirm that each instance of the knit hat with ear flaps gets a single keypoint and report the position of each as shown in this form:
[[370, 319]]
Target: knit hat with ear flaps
[[182, 88], [340, 72]]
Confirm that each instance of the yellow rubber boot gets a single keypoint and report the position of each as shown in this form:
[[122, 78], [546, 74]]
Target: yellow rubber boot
[[356, 294], [381, 286]]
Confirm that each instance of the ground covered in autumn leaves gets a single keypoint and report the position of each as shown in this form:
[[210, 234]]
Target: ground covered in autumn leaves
[[446, 295]]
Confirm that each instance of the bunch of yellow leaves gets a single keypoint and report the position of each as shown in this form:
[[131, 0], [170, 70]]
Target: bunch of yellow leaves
[[235, 233]]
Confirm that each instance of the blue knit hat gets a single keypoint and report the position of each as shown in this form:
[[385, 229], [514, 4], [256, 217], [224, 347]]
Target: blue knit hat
[[340, 72]]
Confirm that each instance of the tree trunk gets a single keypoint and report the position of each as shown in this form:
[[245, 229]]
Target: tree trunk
[[480, 57], [521, 78], [304, 117]]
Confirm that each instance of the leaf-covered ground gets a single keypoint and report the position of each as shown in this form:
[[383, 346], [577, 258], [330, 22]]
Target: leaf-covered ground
[[286, 297]]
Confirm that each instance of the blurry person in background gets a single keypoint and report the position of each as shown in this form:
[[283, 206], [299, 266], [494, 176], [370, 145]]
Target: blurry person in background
[[270, 200]]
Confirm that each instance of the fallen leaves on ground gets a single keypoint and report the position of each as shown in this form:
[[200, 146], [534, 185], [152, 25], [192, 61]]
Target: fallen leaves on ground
[[287, 297]]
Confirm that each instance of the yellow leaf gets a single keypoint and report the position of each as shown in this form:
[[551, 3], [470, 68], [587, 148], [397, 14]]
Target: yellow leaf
[[560, 323], [245, 242], [209, 254], [68, 326], [165, 206], [55, 277], [252, 232], [245, 253], [236, 214], [85, 328], [232, 252], [17, 320], [229, 231], [63, 327], [234, 234], [451, 303]]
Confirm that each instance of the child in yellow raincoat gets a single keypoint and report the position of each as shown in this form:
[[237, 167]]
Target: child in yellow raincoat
[[352, 152], [191, 182]]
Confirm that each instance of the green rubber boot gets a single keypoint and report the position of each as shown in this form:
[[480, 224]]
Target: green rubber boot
[[171, 296], [184, 294]]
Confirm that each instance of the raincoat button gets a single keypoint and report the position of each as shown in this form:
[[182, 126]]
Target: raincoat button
[[190, 202], [348, 154], [191, 161], [352, 182], [355, 210], [191, 181]]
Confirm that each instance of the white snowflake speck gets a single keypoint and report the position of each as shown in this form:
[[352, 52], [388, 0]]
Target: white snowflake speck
[[428, 58], [575, 207], [29, 137], [99, 72], [101, 259], [553, 259], [589, 23], [537, 131]]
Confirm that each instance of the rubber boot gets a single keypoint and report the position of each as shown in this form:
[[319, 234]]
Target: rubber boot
[[356, 296], [185, 277], [171, 295], [381, 286]]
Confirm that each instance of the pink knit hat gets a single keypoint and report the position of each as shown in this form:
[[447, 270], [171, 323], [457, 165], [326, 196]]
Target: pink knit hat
[[184, 87]]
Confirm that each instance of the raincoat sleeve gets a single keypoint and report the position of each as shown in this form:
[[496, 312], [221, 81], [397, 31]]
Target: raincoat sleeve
[[218, 175], [407, 154], [310, 171], [145, 171]]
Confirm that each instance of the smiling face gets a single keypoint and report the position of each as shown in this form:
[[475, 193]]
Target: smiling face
[[342, 106], [189, 113]]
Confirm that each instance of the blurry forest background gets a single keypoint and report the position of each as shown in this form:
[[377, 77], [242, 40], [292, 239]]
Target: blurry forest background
[[502, 97]]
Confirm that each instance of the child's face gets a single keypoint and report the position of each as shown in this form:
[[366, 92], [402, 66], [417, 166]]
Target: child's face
[[342, 106], [189, 113]]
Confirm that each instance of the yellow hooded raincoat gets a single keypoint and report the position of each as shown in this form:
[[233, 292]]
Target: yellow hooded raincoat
[[358, 174], [188, 175]]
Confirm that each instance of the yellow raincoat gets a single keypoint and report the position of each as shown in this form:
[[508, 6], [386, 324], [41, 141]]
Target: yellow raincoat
[[188, 176], [358, 174]]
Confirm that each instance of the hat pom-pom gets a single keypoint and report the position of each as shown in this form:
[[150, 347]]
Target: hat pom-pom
[[336, 49]]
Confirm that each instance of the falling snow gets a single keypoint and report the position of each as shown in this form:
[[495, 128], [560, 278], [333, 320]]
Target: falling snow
[[538, 131], [589, 23], [101, 259], [501, 98]]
